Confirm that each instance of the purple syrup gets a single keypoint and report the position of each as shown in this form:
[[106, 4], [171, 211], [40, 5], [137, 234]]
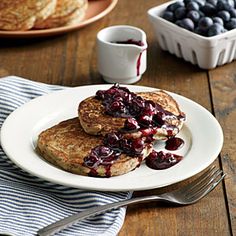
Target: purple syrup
[[130, 41], [161, 160], [101, 155], [142, 115], [93, 172], [138, 43], [174, 143], [120, 102], [114, 144], [139, 62]]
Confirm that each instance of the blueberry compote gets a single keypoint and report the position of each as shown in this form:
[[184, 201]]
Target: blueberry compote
[[131, 41], [141, 115], [138, 43], [161, 160], [114, 144], [174, 143], [101, 155]]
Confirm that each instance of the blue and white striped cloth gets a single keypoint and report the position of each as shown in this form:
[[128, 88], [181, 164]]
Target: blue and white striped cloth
[[28, 203]]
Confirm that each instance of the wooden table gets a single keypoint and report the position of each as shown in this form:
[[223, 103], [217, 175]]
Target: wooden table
[[70, 60]]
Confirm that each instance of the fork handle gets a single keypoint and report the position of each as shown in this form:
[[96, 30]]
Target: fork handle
[[70, 220]]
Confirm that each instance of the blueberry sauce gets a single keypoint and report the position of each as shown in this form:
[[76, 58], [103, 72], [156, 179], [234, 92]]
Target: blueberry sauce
[[120, 102], [131, 41], [174, 143], [101, 155], [114, 144], [161, 160], [138, 64], [141, 115], [138, 43]]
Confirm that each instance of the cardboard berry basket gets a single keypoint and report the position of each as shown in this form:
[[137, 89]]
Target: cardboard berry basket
[[206, 52]]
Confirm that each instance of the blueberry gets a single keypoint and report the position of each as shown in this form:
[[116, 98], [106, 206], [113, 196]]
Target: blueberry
[[117, 106], [224, 15], [199, 31], [232, 13], [174, 6], [131, 124], [158, 120], [213, 2], [231, 24], [126, 145], [111, 140], [220, 5], [138, 146], [104, 151], [145, 120], [215, 29], [231, 3], [91, 160], [186, 23], [180, 13], [218, 20], [150, 108], [200, 2], [193, 15], [192, 6], [225, 5], [208, 9], [186, 2], [201, 13], [204, 23], [178, 22], [169, 15]]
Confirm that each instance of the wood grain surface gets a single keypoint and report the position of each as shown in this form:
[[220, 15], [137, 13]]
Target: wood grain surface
[[70, 59]]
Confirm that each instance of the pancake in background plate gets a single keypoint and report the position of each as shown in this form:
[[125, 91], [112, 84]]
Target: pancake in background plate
[[22, 14], [66, 12]]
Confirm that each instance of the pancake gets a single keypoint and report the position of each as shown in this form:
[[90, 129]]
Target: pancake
[[46, 11], [66, 12], [7, 3], [78, 15], [68, 147], [95, 120], [22, 14]]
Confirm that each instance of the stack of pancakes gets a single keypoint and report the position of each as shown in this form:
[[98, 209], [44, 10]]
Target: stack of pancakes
[[40, 14], [69, 143]]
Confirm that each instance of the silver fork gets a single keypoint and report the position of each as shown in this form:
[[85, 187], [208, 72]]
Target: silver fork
[[189, 194]]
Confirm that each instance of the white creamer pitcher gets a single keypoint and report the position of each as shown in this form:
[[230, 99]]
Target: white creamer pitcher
[[122, 54]]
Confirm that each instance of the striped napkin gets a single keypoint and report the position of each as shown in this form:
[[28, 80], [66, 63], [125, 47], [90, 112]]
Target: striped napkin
[[28, 203]]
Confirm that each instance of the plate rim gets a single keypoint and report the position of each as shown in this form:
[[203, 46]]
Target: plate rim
[[107, 180], [60, 30]]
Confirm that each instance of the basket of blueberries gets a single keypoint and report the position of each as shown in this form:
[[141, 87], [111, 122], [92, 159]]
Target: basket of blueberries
[[202, 32]]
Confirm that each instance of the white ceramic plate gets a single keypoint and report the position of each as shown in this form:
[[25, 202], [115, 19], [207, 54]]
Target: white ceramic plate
[[202, 134]]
